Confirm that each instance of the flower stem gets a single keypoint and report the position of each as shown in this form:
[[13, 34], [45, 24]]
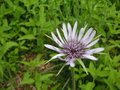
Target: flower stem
[[73, 78]]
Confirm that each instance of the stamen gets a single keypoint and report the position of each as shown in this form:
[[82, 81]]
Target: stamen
[[73, 49]]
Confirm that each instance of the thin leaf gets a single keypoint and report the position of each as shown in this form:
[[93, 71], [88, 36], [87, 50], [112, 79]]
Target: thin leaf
[[61, 69], [82, 64]]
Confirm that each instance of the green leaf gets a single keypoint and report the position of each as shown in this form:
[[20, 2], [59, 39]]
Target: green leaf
[[90, 86], [6, 47], [45, 77], [92, 70], [35, 62], [29, 2], [28, 37], [38, 83], [1, 72], [27, 79], [42, 80], [55, 87], [82, 64]]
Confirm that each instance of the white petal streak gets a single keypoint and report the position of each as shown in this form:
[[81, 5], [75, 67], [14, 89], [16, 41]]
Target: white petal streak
[[71, 62], [52, 47], [82, 30], [69, 30], [56, 39], [92, 43], [59, 36], [65, 31], [90, 57], [87, 34], [56, 56], [61, 59], [92, 36], [89, 39], [74, 30], [96, 50]]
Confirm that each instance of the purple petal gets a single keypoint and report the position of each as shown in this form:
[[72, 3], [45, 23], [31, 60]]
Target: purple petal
[[71, 62], [92, 43], [89, 39], [69, 30], [56, 56], [56, 39], [65, 31], [87, 34], [61, 59], [52, 47], [82, 30], [96, 50], [59, 36], [90, 57], [74, 30]]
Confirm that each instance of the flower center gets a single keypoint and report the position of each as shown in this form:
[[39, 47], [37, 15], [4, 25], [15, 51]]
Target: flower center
[[73, 49]]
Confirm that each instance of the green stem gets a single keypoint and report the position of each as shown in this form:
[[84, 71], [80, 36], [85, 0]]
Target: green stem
[[73, 78]]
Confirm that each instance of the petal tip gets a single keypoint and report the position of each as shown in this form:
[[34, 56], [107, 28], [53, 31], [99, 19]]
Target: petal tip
[[72, 64]]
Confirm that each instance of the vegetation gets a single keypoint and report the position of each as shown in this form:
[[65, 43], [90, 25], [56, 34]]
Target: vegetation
[[24, 29]]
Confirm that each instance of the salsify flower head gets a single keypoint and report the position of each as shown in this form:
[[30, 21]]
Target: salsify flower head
[[74, 44]]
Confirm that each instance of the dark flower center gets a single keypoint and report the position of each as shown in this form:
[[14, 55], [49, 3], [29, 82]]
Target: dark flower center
[[73, 49]]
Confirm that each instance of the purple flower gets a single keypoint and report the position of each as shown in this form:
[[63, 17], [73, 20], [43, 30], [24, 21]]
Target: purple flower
[[74, 44]]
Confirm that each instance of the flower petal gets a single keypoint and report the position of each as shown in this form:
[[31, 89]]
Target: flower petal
[[52, 47], [89, 39], [96, 50], [82, 30], [87, 34], [61, 59], [74, 30], [65, 31], [56, 39], [92, 43], [59, 36], [56, 56], [69, 30], [90, 57], [71, 62]]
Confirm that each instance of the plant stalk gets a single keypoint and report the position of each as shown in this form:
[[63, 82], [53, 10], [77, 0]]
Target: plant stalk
[[73, 78]]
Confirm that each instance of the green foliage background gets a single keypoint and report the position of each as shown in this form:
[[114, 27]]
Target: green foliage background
[[23, 28]]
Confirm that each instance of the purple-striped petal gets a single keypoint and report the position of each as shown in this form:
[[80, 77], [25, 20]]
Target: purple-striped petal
[[56, 56], [52, 47], [90, 57], [59, 36], [65, 31], [92, 43], [82, 30], [74, 30], [89, 39], [96, 50], [56, 39], [87, 34], [71, 62], [69, 31]]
